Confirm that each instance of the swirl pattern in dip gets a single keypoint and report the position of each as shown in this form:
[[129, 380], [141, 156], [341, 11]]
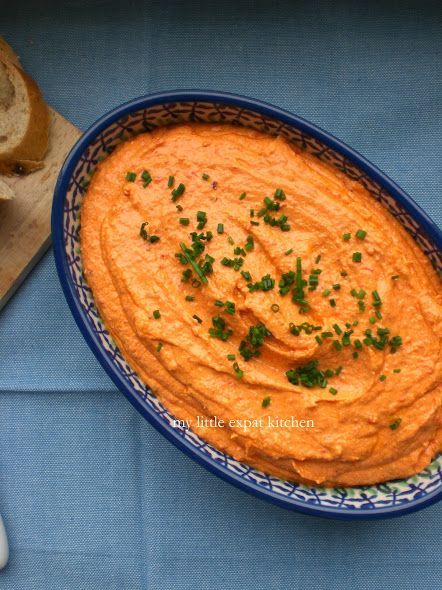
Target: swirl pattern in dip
[[244, 279]]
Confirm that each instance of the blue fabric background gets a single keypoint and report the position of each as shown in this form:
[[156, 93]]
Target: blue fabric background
[[92, 496]]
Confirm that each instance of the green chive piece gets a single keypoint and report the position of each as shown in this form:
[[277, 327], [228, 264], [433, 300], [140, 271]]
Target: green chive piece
[[265, 402], [171, 181], [382, 377], [332, 302], [238, 372], [220, 228], [317, 259], [254, 222], [189, 298], [156, 314], [192, 262], [178, 191], [205, 176], [159, 346], [179, 208], [184, 220], [326, 292], [355, 354], [397, 370], [346, 236], [394, 277], [360, 234], [131, 176], [333, 390], [198, 319], [357, 257], [242, 196], [231, 357], [336, 286], [289, 252], [318, 339], [147, 178], [394, 425], [231, 240], [344, 273]]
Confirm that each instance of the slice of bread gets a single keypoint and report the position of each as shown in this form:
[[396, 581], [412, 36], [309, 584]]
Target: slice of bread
[[24, 119], [6, 192], [8, 54]]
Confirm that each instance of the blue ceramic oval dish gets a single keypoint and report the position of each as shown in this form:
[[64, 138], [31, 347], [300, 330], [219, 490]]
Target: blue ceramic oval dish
[[144, 114]]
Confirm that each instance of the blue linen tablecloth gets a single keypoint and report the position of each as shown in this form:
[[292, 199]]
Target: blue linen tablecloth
[[92, 496]]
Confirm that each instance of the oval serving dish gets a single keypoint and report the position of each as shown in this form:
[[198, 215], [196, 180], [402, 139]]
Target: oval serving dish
[[144, 114]]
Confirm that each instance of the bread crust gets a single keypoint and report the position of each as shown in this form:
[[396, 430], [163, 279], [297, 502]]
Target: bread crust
[[25, 157]]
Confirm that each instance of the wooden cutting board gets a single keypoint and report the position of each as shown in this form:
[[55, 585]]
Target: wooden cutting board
[[25, 231]]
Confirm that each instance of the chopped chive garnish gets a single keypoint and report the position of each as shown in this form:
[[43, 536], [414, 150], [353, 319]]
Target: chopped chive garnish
[[361, 305], [360, 234], [357, 257], [394, 277], [372, 320], [396, 370], [156, 314], [332, 302], [337, 345], [220, 228], [355, 354], [317, 259], [318, 339], [159, 346], [170, 181], [238, 372], [344, 273], [131, 176], [279, 194], [326, 292], [192, 262], [254, 222], [179, 207], [346, 236], [337, 329], [198, 319], [146, 236], [265, 402], [246, 275], [205, 176], [378, 314], [242, 196], [231, 357], [178, 191], [336, 286], [275, 308], [218, 303], [147, 178], [231, 240], [382, 377], [289, 252], [184, 220], [333, 390], [394, 425], [189, 298]]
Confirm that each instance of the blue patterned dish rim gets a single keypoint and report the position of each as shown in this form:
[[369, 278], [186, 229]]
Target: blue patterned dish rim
[[144, 114]]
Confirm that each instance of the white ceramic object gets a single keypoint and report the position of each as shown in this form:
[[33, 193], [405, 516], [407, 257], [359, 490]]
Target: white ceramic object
[[4, 548]]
